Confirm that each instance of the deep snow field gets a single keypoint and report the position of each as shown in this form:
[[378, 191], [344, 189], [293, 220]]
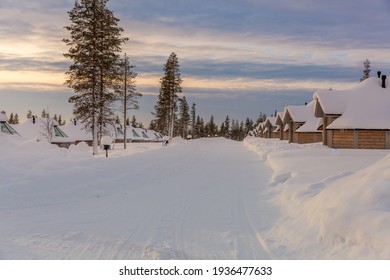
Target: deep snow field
[[199, 199]]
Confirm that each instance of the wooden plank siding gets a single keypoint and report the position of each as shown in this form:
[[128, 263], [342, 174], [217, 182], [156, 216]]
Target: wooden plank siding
[[276, 134], [309, 137], [343, 138], [358, 139], [371, 139]]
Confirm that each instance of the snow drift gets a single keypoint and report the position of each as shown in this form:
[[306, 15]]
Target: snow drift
[[335, 203]]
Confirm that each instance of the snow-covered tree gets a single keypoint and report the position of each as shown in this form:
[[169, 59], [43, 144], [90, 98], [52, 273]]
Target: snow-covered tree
[[366, 71], [29, 114], [94, 47]]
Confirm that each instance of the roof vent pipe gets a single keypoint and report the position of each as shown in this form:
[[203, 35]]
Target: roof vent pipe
[[33, 119], [75, 121], [384, 81], [379, 74]]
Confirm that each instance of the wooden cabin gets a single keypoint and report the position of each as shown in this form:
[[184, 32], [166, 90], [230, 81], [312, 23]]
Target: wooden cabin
[[270, 128], [358, 118], [284, 129], [303, 126]]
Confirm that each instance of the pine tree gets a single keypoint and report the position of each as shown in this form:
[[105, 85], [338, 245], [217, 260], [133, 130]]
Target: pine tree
[[170, 86], [11, 118], [366, 71], [117, 120], [241, 131], [16, 119], [248, 125], [95, 43], [29, 114], [45, 114], [184, 119], [226, 132], [133, 122], [193, 120], [127, 92], [211, 128], [262, 117], [222, 130]]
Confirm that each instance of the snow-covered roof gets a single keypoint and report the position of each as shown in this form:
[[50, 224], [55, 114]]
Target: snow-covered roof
[[311, 122], [299, 114], [365, 106], [279, 118], [30, 129], [332, 102], [77, 131], [270, 121], [305, 116]]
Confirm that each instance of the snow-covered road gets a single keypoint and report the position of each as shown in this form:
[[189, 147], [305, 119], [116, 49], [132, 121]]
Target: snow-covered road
[[203, 199]]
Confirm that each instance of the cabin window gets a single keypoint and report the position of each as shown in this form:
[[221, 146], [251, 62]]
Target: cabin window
[[119, 131], [135, 134], [58, 132]]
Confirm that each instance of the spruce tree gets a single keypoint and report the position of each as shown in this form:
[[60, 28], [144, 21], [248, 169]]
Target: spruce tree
[[193, 120], [184, 119], [227, 128], [11, 118], [366, 71], [127, 92], [211, 128], [16, 119], [94, 47], [133, 122], [170, 86], [222, 130]]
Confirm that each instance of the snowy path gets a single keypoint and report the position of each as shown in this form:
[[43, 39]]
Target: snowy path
[[201, 199]]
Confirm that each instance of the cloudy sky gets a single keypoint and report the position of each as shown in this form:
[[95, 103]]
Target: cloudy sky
[[237, 57]]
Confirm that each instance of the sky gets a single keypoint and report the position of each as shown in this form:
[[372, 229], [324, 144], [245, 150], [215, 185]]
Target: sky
[[237, 57]]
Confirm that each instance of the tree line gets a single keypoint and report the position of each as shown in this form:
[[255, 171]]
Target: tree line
[[14, 118]]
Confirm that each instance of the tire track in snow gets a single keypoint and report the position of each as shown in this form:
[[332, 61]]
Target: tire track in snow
[[200, 199]]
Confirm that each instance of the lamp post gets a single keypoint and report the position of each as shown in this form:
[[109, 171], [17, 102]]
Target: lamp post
[[106, 142]]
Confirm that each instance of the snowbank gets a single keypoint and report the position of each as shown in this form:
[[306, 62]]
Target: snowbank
[[335, 203]]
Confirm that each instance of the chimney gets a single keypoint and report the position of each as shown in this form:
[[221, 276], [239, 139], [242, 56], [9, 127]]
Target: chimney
[[384, 81], [379, 74], [33, 119]]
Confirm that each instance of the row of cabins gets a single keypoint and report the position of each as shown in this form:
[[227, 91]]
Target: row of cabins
[[357, 118], [73, 132]]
